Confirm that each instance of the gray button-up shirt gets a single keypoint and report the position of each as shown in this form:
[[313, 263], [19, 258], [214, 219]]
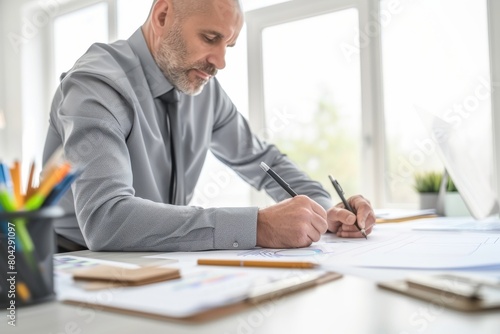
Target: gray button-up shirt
[[107, 115]]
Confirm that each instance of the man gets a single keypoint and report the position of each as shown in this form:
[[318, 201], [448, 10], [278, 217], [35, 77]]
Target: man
[[139, 116]]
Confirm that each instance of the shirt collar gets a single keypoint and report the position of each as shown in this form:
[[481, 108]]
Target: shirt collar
[[158, 83]]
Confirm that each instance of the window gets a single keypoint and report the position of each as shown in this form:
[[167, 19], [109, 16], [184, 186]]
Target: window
[[313, 96], [435, 62], [75, 32], [306, 67], [409, 56]]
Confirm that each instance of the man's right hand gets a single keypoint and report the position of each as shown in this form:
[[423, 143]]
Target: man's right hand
[[295, 222]]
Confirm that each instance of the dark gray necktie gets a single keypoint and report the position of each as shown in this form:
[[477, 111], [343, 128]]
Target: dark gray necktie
[[171, 100]]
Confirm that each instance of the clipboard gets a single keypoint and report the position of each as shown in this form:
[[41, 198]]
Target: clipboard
[[462, 293], [404, 219], [260, 294], [402, 215]]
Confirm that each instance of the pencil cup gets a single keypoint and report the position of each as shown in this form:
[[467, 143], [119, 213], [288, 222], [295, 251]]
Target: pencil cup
[[27, 246]]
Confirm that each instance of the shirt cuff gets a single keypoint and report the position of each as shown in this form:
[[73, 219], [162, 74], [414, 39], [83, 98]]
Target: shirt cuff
[[236, 228]]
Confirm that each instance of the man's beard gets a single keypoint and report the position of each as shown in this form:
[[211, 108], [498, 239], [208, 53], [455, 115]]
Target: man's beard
[[170, 58]]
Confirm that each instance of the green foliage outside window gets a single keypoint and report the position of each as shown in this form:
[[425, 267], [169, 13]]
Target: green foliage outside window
[[325, 146]]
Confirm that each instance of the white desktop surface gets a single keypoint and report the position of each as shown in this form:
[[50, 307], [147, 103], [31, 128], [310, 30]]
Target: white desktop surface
[[352, 304]]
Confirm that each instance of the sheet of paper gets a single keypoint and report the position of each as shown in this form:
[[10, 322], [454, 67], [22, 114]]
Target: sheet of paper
[[199, 289], [388, 248], [431, 250], [67, 263], [458, 224]]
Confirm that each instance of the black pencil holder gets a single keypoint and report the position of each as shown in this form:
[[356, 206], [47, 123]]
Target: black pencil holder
[[27, 246]]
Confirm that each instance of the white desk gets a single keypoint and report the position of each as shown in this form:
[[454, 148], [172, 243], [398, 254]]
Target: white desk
[[348, 305]]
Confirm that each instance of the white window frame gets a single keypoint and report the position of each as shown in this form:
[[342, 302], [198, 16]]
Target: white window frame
[[494, 44], [372, 127]]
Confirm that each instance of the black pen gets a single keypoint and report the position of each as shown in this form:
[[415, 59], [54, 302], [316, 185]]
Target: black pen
[[340, 192], [278, 179]]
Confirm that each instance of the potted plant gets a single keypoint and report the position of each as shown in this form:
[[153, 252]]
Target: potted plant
[[427, 184], [454, 205]]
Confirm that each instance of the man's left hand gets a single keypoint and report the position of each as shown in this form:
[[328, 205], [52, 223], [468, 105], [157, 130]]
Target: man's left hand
[[341, 221]]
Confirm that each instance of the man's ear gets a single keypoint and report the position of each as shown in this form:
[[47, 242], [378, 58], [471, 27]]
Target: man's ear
[[159, 15]]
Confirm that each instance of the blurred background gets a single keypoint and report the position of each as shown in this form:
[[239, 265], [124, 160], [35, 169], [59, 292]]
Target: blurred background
[[338, 85]]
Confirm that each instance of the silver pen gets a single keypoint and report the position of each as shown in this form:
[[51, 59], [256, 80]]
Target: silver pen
[[340, 192]]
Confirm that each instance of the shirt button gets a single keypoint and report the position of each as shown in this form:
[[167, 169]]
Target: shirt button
[[235, 245]]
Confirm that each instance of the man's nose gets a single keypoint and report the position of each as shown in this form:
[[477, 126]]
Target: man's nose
[[218, 57]]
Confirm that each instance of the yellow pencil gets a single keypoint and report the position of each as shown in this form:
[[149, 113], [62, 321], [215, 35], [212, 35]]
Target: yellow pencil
[[35, 201], [257, 263]]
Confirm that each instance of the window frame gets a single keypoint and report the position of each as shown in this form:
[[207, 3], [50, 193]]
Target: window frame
[[493, 8]]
